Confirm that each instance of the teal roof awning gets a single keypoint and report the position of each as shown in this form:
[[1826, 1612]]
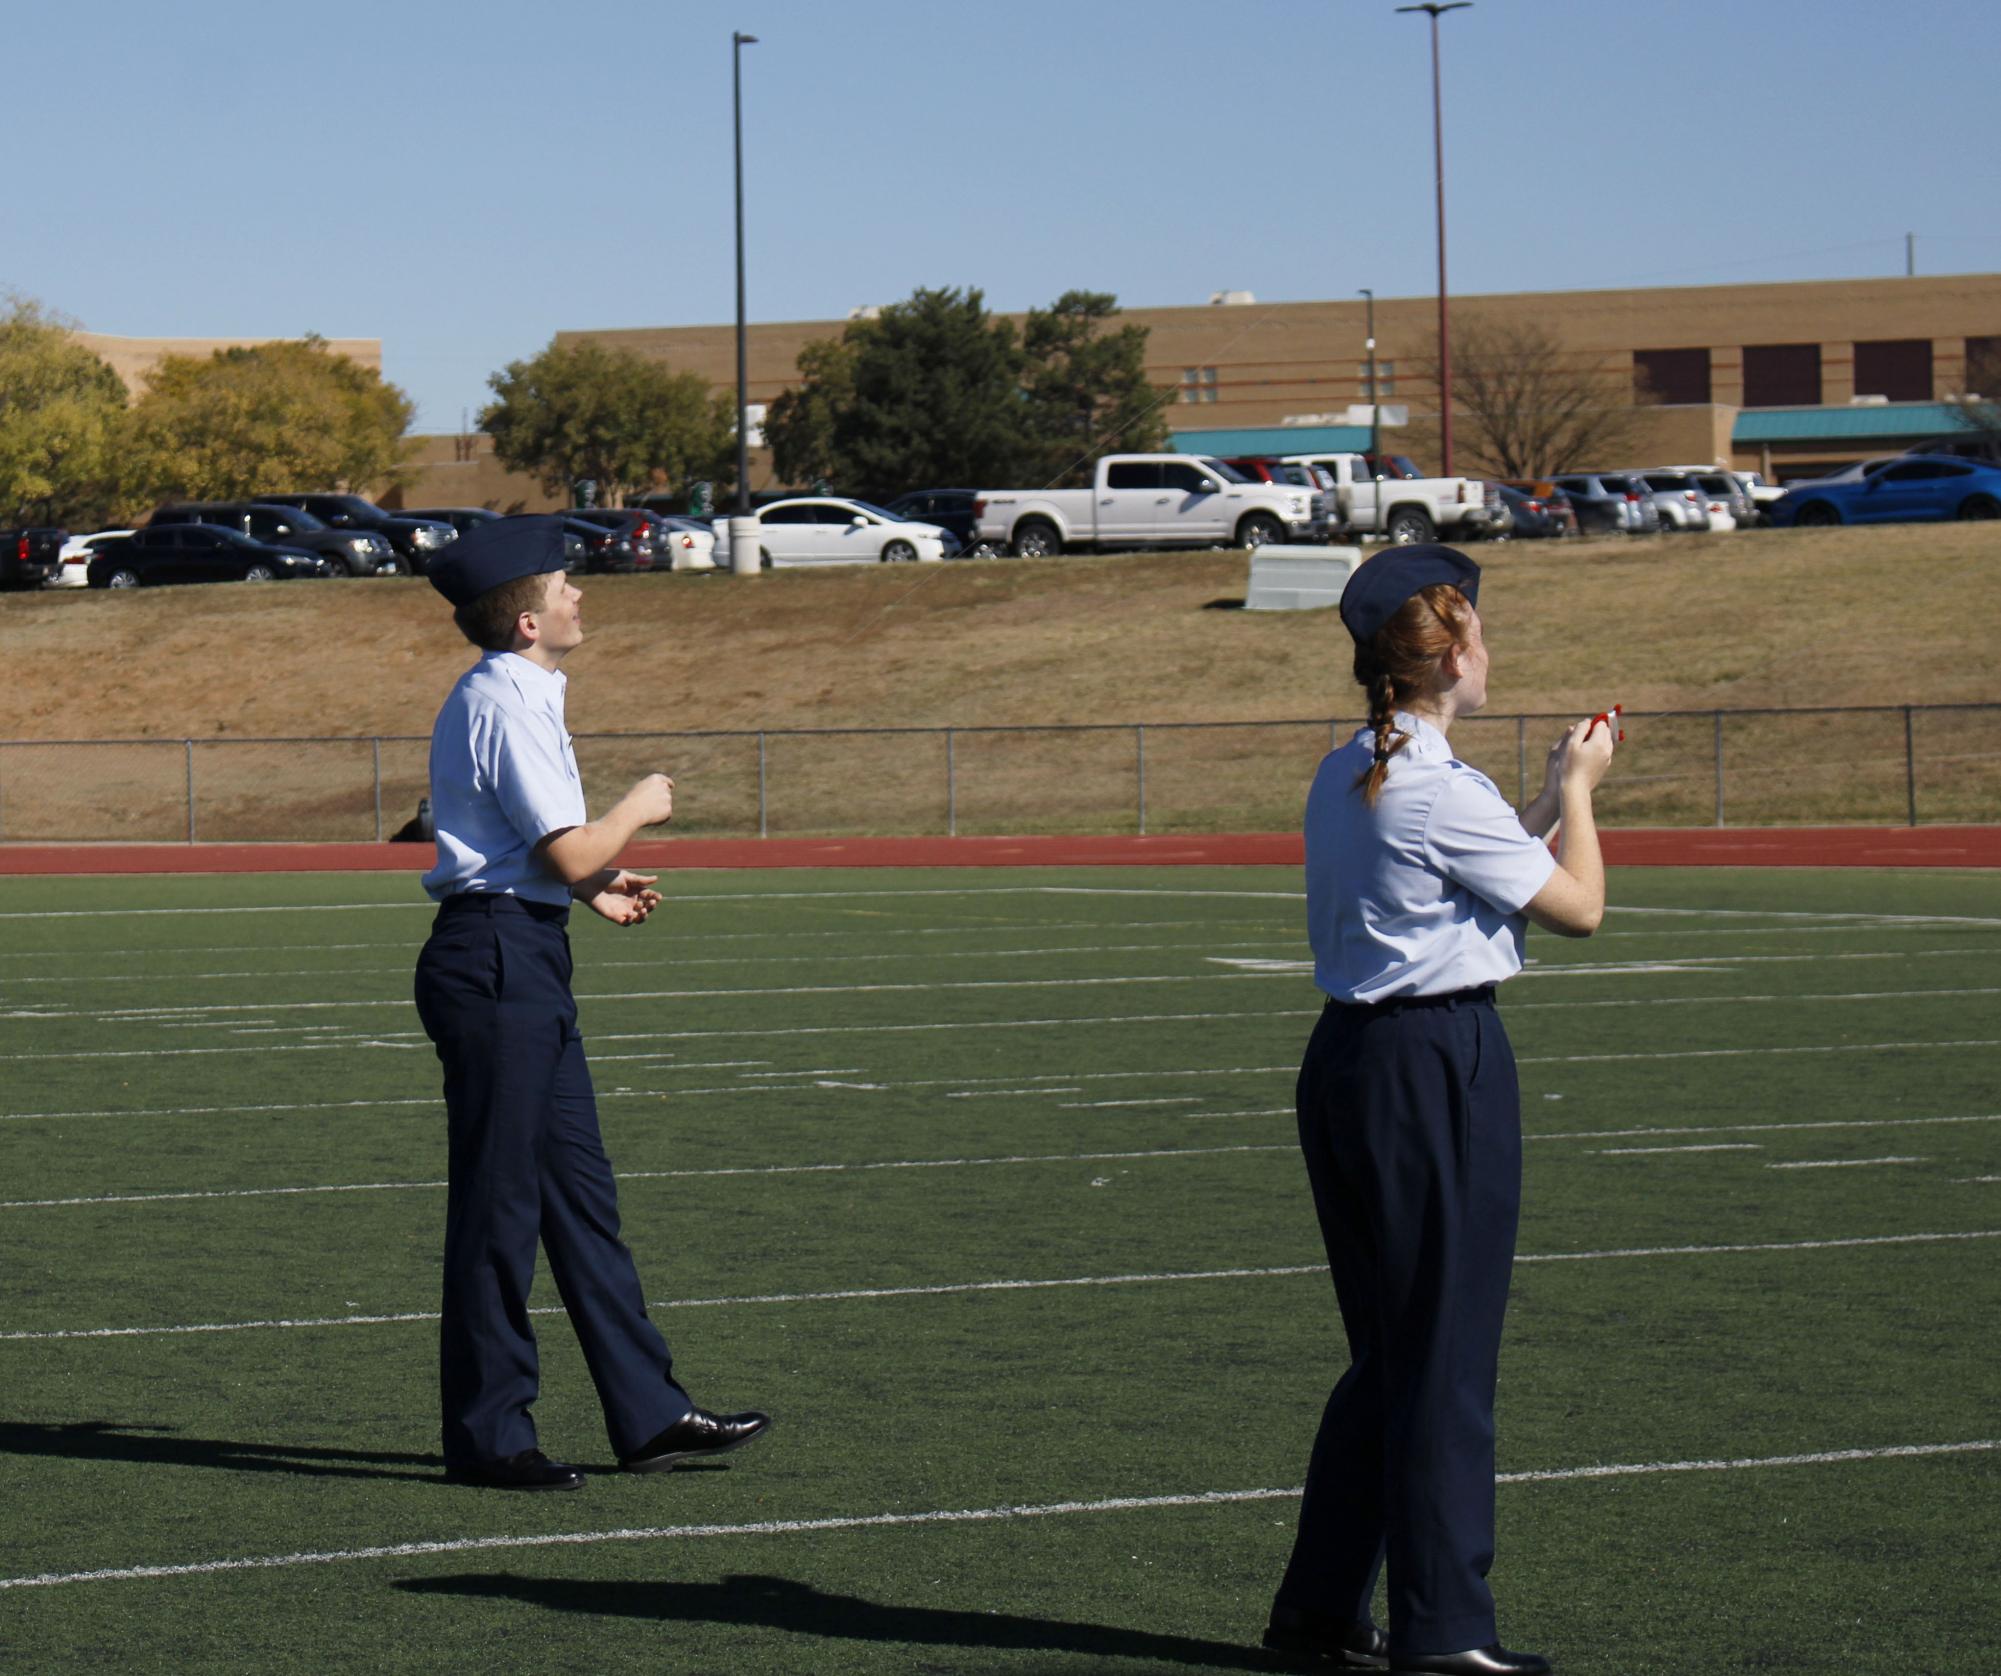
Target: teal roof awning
[[1883, 421], [1274, 439]]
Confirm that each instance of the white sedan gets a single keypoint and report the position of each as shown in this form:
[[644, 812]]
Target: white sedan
[[816, 530], [77, 552]]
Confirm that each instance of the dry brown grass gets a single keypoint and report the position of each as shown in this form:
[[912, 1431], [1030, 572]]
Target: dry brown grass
[[1902, 615]]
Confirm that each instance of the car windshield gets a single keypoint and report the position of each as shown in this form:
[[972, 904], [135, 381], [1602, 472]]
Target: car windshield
[[300, 519], [1399, 465], [1229, 474], [875, 511]]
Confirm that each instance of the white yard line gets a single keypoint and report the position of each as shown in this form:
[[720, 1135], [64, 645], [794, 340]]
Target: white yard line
[[1640, 1151], [1840, 1163], [1746, 1052], [953, 1516], [958, 1288], [1762, 1128]]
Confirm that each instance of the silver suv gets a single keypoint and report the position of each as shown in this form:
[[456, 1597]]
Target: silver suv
[[1610, 503], [1683, 503]]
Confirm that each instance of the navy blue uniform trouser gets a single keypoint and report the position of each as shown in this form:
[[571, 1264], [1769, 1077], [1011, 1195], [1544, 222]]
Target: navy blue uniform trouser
[[1410, 1119], [527, 1164]]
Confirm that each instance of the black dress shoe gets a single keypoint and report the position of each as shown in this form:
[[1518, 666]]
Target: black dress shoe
[[1313, 1639], [1494, 1660], [529, 1470], [695, 1438]]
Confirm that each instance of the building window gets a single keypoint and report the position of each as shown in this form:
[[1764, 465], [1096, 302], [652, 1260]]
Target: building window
[[1782, 375], [1198, 384], [1386, 376], [1899, 368], [1671, 375], [1983, 367]]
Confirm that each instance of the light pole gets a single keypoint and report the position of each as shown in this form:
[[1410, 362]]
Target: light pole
[[1375, 395], [1433, 8], [743, 527]]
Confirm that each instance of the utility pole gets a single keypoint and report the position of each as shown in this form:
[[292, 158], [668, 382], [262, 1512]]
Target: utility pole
[[1375, 392], [743, 527], [1435, 9]]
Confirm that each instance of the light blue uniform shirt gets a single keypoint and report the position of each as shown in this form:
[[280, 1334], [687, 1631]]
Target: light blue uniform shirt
[[1422, 894], [503, 777]]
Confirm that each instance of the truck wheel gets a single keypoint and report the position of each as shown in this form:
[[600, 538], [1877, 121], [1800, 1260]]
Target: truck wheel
[[1260, 530], [1817, 512], [1036, 539], [1410, 524], [1979, 507]]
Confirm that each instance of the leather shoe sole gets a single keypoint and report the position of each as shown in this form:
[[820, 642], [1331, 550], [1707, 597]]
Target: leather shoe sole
[[1491, 1660], [1308, 1641], [529, 1470], [697, 1438]]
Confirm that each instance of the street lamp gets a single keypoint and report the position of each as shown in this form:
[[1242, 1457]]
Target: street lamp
[[1433, 8], [1375, 395], [743, 528]]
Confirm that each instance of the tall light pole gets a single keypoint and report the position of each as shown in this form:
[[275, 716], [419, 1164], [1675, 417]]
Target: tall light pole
[[1375, 395], [743, 528], [1433, 8]]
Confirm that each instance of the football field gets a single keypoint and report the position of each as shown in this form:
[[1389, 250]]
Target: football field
[[983, 1183]]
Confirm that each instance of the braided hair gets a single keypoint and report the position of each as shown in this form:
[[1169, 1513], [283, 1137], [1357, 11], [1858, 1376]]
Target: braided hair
[[1399, 663]]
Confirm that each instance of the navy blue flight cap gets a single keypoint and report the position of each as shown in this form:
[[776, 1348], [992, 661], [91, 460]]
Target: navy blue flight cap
[[495, 552], [1379, 586]]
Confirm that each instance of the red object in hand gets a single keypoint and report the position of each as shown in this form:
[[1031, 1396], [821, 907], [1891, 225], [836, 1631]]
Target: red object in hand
[[1611, 720]]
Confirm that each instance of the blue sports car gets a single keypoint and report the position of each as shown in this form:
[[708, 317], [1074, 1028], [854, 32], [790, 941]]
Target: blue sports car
[[1910, 488]]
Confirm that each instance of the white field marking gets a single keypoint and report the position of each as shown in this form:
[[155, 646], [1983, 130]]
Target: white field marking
[[822, 1071], [951, 1516], [1714, 1146], [218, 1111], [1743, 1000], [1738, 1053], [1110, 890], [1810, 914], [667, 1175], [1976, 1178], [997, 1093], [245, 1026], [1262, 963], [279, 908], [960, 1288], [844, 958], [1840, 1163], [1103, 1105], [1763, 1128], [1680, 931]]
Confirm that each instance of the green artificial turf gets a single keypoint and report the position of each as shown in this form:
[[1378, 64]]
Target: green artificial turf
[[909, 1088]]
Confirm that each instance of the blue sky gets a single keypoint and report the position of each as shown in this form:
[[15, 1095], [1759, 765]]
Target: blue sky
[[462, 181]]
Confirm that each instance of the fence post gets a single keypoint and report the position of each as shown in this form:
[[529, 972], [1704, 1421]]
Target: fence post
[[763, 821], [1718, 714], [951, 788], [1910, 770], [375, 750], [188, 745], [1521, 760], [1139, 736]]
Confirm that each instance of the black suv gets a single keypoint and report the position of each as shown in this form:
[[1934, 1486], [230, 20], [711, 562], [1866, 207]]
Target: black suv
[[415, 539], [464, 519], [949, 509], [28, 558], [196, 553], [351, 552]]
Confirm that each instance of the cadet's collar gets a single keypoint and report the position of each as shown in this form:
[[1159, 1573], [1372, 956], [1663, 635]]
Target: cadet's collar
[[529, 675], [1425, 739]]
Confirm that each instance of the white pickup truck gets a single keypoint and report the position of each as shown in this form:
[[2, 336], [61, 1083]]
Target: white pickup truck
[[1150, 500], [1403, 508]]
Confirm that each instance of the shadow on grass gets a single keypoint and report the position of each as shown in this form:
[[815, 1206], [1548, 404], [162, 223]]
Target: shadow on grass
[[111, 1440], [783, 1604]]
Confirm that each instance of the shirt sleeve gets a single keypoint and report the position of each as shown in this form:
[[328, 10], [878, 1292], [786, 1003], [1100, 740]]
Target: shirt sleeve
[[1477, 841], [531, 780]]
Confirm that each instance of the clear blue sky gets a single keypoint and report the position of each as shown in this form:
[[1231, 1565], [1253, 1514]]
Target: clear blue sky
[[462, 181]]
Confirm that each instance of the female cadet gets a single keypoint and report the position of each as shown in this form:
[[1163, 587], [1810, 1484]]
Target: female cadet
[[1418, 879]]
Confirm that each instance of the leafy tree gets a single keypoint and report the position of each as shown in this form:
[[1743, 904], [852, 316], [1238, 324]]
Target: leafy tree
[[1087, 388], [935, 390], [255, 419], [61, 411], [581, 410], [1525, 407]]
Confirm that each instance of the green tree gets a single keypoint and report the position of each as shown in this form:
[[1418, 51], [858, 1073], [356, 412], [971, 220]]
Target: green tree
[[61, 413], [270, 416], [1087, 388], [801, 425], [581, 410]]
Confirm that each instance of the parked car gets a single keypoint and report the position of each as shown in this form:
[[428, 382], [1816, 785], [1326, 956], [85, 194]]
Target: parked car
[[29, 557], [1981, 445], [690, 542], [351, 552], [811, 530], [1532, 518], [605, 551], [196, 553], [1730, 502], [950, 510], [1610, 503], [415, 539], [1552, 501], [461, 518], [1375, 496], [75, 557], [1683, 506], [1919, 488], [1150, 500], [1296, 474], [642, 526]]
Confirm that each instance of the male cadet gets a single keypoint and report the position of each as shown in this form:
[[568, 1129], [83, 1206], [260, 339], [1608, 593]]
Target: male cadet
[[493, 990]]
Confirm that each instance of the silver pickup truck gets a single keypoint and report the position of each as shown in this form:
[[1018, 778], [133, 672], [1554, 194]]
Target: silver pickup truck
[[1149, 500], [1396, 504]]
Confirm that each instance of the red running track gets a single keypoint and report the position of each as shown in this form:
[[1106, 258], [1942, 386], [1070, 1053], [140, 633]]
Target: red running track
[[1827, 846]]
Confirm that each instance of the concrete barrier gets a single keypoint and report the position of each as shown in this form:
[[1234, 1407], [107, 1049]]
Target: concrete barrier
[[1299, 578]]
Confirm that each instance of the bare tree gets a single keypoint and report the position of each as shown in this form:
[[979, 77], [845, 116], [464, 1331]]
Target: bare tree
[[1525, 407]]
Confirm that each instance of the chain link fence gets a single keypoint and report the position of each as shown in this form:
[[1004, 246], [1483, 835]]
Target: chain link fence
[[1898, 765]]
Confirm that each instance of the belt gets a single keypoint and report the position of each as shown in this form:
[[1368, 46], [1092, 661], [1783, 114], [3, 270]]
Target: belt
[[493, 903], [1481, 997]]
